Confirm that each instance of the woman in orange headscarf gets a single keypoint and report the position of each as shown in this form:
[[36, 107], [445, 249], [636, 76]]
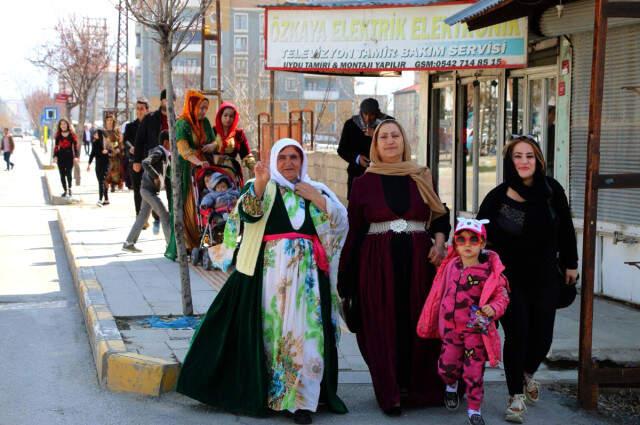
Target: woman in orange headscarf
[[193, 137], [231, 141]]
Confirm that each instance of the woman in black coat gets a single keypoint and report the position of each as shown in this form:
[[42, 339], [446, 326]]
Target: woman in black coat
[[531, 229], [100, 151]]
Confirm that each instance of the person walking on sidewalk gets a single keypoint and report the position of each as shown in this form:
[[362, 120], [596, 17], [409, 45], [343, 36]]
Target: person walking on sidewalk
[[147, 138], [531, 229], [355, 141], [469, 294], [194, 137], [65, 153], [87, 139], [100, 152], [129, 138], [115, 176], [387, 267], [8, 146], [268, 341], [154, 177]]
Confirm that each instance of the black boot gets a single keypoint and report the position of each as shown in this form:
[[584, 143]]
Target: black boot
[[302, 417]]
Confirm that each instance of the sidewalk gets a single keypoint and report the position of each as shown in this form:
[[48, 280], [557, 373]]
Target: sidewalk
[[137, 286]]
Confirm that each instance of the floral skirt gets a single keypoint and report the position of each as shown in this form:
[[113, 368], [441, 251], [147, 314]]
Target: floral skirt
[[267, 347]]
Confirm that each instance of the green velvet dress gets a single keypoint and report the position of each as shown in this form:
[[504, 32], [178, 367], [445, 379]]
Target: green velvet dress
[[184, 132], [268, 341]]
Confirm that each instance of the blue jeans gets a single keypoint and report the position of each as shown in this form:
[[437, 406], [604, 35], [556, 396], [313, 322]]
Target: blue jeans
[[7, 156]]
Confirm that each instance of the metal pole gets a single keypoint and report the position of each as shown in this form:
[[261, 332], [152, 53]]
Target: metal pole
[[587, 389], [202, 47], [475, 148], [219, 51], [272, 108]]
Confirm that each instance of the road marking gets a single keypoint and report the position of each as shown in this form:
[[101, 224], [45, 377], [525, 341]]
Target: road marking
[[33, 306]]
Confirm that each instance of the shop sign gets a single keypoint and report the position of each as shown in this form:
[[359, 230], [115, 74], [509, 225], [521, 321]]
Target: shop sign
[[362, 39]]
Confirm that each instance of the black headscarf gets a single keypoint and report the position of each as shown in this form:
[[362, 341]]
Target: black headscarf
[[540, 189]]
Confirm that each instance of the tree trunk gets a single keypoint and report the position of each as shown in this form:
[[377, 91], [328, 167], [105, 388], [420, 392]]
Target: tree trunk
[[176, 183]]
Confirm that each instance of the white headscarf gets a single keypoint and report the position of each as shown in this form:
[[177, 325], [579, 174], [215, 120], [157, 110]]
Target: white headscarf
[[279, 178]]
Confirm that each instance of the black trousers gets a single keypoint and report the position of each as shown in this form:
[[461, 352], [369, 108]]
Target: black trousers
[[102, 168], [528, 328], [65, 169]]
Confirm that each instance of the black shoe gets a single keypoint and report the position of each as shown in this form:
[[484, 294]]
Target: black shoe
[[451, 400], [64, 194], [105, 202], [302, 417], [476, 419], [393, 411], [70, 193]]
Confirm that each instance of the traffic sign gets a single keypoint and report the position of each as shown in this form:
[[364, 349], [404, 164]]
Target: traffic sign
[[62, 97], [50, 114]]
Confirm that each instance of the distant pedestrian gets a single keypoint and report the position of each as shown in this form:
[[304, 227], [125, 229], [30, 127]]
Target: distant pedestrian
[[100, 151], [147, 138], [86, 139], [468, 295], [115, 176], [532, 230], [129, 139], [154, 177], [8, 146], [65, 153], [355, 141]]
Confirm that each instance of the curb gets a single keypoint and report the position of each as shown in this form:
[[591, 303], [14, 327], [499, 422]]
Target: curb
[[118, 370], [58, 200], [41, 164]]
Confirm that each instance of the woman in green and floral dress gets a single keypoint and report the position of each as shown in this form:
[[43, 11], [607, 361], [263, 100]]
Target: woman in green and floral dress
[[268, 341]]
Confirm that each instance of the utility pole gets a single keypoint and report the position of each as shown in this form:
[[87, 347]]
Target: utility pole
[[121, 99]]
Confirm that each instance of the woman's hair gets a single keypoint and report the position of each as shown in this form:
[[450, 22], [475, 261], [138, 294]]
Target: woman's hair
[[374, 139], [100, 133], [164, 135], [108, 117], [507, 152], [69, 127]]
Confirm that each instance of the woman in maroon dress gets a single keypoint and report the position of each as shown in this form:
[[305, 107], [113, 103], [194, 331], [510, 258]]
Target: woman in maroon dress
[[387, 268]]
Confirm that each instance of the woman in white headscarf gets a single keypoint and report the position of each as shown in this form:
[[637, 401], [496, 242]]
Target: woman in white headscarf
[[269, 339]]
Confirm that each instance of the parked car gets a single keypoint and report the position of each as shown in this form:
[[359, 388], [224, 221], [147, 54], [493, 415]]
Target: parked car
[[17, 132]]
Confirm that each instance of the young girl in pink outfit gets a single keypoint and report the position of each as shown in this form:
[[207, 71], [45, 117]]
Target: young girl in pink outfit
[[468, 296]]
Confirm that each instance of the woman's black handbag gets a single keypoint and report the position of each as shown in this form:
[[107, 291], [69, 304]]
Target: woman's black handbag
[[566, 293]]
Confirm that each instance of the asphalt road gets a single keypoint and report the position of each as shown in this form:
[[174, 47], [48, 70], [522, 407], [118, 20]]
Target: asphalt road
[[48, 376]]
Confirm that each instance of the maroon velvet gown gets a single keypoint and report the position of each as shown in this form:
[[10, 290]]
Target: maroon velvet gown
[[390, 276]]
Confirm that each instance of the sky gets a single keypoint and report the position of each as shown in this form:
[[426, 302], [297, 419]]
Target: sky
[[27, 24]]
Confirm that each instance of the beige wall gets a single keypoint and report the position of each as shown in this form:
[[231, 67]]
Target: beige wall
[[330, 169]]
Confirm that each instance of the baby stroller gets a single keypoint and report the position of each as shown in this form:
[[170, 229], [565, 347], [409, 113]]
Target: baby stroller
[[211, 220]]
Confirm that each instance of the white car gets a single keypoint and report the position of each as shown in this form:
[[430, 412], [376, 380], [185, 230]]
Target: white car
[[17, 132]]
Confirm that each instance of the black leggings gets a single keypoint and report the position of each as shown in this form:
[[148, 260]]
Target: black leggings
[[101, 174], [528, 328], [65, 170]]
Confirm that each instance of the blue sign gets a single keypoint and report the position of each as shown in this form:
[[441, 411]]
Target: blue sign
[[51, 114]]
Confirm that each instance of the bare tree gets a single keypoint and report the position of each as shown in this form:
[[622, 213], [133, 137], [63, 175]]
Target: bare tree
[[78, 57], [35, 102], [174, 24]]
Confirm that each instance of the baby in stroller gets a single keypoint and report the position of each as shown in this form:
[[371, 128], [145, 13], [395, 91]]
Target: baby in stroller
[[219, 194]]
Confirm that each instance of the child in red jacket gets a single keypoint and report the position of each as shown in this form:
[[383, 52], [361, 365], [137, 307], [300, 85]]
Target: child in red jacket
[[469, 294]]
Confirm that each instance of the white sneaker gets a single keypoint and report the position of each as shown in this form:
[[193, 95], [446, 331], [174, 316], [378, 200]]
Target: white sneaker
[[515, 409], [531, 390], [99, 203]]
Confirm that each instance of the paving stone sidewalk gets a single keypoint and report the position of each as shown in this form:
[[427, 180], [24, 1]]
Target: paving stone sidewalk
[[137, 286]]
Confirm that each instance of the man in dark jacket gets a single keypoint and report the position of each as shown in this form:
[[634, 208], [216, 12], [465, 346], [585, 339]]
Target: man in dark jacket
[[355, 141], [130, 132], [154, 179], [147, 139]]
